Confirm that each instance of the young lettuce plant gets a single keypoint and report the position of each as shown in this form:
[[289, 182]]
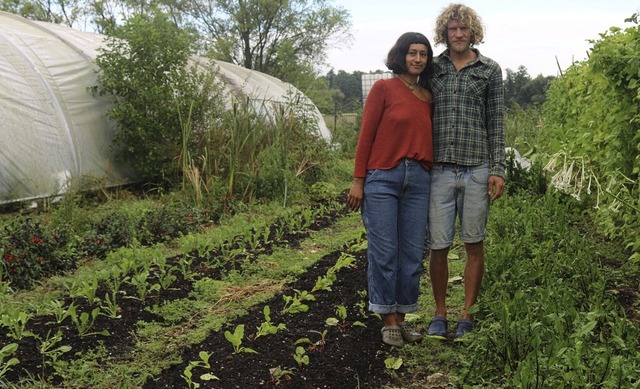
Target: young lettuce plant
[[235, 339], [143, 288], [301, 357], [85, 288], [85, 321], [314, 346], [393, 363], [60, 312], [6, 352], [16, 322], [279, 374], [187, 374], [184, 263], [341, 320], [295, 304], [325, 282], [48, 349], [267, 327]]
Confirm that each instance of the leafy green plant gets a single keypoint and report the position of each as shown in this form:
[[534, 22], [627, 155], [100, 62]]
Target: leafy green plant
[[318, 345], [16, 321], [362, 304], [184, 263], [267, 327], [393, 363], [113, 282], [143, 287], [167, 221], [235, 339], [341, 320], [591, 113], [85, 321], [531, 180], [546, 309], [6, 352], [86, 288], [295, 303], [110, 307], [345, 260], [324, 282], [279, 374], [165, 276], [187, 374], [29, 251], [49, 352], [301, 357], [115, 230], [60, 312]]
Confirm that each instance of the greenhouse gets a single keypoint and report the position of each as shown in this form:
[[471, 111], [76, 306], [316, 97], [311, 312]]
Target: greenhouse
[[54, 130]]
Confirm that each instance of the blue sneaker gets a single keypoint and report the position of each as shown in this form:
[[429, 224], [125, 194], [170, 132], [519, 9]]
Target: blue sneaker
[[438, 328], [464, 327]]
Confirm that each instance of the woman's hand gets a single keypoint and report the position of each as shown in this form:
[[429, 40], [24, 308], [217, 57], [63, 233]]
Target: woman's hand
[[356, 193]]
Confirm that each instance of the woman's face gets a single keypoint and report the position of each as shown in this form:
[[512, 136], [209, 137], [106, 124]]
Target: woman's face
[[416, 58]]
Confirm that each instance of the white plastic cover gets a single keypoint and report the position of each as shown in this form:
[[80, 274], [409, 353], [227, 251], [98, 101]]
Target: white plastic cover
[[52, 128]]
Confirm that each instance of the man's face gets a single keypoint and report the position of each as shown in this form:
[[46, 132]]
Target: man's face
[[458, 37]]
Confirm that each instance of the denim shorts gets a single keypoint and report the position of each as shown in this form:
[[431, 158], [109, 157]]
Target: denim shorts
[[462, 192]]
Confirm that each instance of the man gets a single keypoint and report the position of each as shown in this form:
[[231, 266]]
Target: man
[[468, 141]]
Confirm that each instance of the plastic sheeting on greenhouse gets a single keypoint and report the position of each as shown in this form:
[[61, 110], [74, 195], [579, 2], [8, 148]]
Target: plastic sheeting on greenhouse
[[53, 130]]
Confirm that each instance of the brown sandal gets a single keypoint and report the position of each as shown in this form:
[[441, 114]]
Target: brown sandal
[[392, 336]]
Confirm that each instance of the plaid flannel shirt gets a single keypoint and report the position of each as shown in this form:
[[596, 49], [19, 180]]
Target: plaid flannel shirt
[[468, 119]]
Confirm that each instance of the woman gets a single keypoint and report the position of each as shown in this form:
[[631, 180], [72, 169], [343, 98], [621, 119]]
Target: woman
[[392, 184]]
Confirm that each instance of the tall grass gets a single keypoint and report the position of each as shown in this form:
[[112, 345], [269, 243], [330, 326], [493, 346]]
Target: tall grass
[[256, 149]]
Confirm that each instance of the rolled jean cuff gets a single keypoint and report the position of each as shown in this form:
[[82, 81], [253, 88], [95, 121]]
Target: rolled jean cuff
[[408, 308], [387, 309]]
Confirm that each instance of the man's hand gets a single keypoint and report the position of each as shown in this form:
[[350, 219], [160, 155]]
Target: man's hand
[[496, 187]]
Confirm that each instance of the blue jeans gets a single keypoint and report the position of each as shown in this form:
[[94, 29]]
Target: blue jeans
[[395, 209], [461, 191]]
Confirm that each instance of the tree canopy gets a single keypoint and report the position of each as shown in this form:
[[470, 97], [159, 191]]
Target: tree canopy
[[270, 35], [521, 89], [287, 39]]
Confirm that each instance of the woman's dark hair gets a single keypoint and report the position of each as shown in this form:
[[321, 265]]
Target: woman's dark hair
[[397, 57]]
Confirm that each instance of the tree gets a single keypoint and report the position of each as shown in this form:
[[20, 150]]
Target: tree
[[65, 12], [156, 90], [271, 36], [520, 89], [514, 83], [350, 86]]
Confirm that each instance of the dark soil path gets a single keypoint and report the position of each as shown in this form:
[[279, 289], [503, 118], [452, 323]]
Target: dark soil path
[[348, 355], [351, 356]]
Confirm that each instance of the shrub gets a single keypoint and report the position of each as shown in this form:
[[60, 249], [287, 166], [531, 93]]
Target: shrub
[[146, 68], [519, 179], [29, 252]]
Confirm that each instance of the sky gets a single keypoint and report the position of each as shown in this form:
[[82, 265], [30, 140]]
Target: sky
[[530, 33]]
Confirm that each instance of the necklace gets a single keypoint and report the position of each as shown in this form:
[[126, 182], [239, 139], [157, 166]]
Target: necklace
[[410, 85]]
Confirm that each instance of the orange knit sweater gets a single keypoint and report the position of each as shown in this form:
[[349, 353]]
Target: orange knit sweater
[[395, 125]]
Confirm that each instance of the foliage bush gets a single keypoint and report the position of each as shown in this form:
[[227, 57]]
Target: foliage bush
[[145, 67], [170, 221], [31, 251], [32, 248], [548, 318], [521, 179], [591, 124]]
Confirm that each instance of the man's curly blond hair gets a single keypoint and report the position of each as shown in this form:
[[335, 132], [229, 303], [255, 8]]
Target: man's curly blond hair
[[461, 13]]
